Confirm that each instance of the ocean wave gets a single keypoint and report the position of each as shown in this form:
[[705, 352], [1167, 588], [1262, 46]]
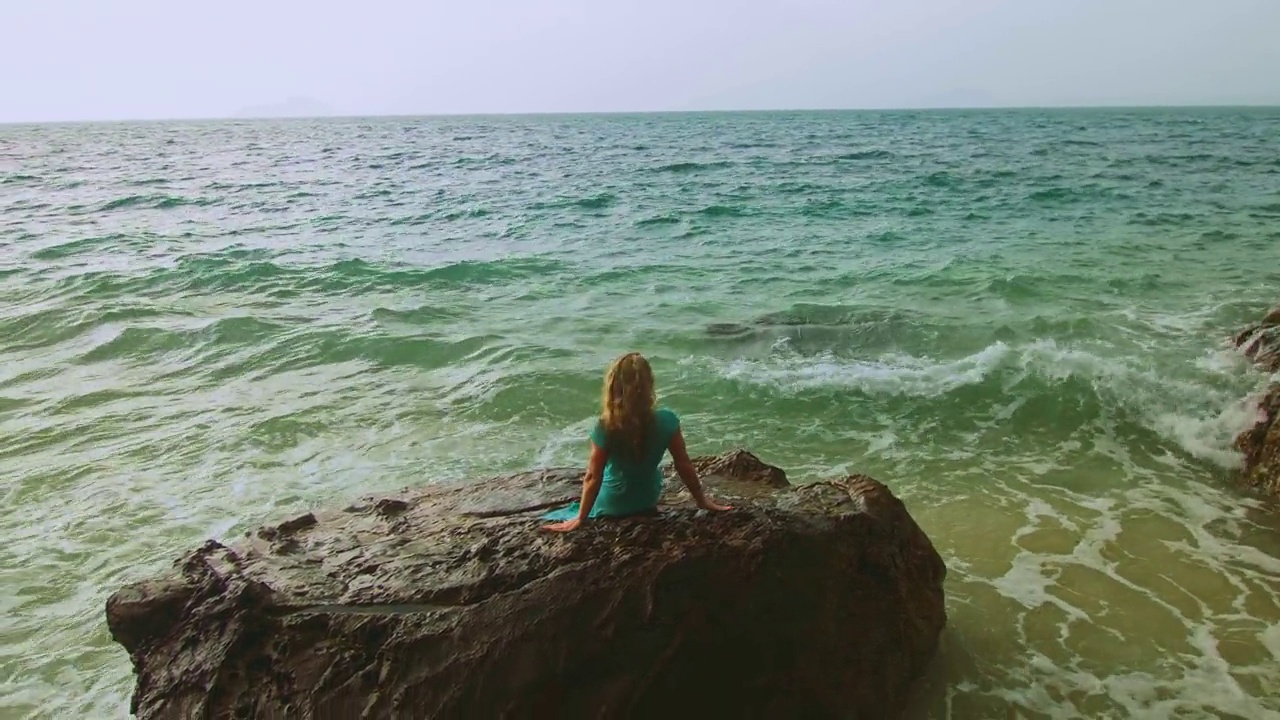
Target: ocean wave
[[1211, 436], [726, 211], [891, 375], [203, 273], [827, 208], [424, 316], [486, 160], [1057, 195], [411, 220], [1040, 383], [247, 186], [791, 187], [941, 179], [245, 346], [1019, 287], [591, 202], [867, 155], [820, 314], [155, 202], [691, 167], [76, 247], [666, 219], [463, 214], [56, 323], [1165, 219], [137, 344], [597, 201], [887, 237]]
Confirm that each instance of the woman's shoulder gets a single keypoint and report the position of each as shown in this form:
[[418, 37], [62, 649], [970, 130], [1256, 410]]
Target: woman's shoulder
[[667, 418], [598, 434]]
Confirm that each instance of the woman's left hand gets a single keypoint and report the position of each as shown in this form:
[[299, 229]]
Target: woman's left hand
[[565, 526]]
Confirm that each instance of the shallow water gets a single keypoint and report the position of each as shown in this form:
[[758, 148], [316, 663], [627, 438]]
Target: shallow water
[[1016, 319]]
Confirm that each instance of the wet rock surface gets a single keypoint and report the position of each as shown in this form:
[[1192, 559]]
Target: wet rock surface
[[1261, 443], [1261, 446], [823, 600], [1260, 342]]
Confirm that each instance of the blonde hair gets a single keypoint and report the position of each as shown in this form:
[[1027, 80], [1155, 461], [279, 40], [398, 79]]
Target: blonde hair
[[626, 408]]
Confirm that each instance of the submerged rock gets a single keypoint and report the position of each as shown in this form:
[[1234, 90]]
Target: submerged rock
[[822, 600], [1261, 443]]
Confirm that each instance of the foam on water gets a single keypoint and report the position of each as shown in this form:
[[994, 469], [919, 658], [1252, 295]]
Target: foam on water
[[895, 375], [1211, 438], [1086, 600]]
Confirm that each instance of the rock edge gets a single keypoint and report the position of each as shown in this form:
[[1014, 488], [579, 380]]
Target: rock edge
[[1260, 444]]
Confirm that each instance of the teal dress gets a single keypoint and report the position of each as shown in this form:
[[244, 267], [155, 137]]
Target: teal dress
[[629, 487]]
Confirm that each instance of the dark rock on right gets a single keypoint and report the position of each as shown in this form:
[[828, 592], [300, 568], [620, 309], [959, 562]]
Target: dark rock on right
[[1261, 446], [1261, 443], [1260, 342]]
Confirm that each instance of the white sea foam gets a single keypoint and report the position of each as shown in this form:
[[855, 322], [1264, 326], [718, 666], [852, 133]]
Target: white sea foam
[[1199, 412], [565, 446], [1210, 438], [894, 375], [1060, 677]]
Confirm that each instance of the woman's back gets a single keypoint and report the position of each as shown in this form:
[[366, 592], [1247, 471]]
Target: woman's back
[[633, 483], [627, 445]]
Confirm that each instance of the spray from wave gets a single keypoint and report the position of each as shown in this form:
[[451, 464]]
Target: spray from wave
[[1197, 410]]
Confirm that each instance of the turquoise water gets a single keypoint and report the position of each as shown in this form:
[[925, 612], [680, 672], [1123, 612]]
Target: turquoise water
[[1016, 319]]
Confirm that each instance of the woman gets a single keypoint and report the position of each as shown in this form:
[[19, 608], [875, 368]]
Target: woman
[[627, 445]]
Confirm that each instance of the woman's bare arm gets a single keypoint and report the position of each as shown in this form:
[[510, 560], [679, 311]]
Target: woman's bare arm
[[591, 482], [688, 474]]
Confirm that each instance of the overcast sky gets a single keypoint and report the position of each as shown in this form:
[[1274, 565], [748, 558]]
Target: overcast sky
[[115, 59]]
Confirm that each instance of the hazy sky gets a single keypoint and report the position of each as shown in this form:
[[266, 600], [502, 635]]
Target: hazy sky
[[107, 59]]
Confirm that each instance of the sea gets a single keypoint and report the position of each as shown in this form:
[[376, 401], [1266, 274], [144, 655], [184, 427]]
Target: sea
[[1018, 320]]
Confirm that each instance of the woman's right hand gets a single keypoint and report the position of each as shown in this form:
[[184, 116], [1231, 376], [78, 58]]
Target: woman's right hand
[[563, 527], [709, 504]]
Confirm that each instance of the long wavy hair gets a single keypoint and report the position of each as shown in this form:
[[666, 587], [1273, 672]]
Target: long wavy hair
[[626, 408]]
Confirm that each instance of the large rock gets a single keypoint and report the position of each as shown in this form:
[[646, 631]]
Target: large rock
[[822, 600], [1261, 341], [1261, 446], [1261, 443]]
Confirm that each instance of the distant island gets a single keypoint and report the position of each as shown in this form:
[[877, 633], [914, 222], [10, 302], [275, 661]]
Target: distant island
[[294, 107]]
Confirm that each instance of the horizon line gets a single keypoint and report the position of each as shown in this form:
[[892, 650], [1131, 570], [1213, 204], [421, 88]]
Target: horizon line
[[580, 113]]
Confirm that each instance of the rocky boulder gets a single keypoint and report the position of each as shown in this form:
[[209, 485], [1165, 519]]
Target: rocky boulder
[[1260, 342], [1261, 446], [821, 600], [1261, 443]]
